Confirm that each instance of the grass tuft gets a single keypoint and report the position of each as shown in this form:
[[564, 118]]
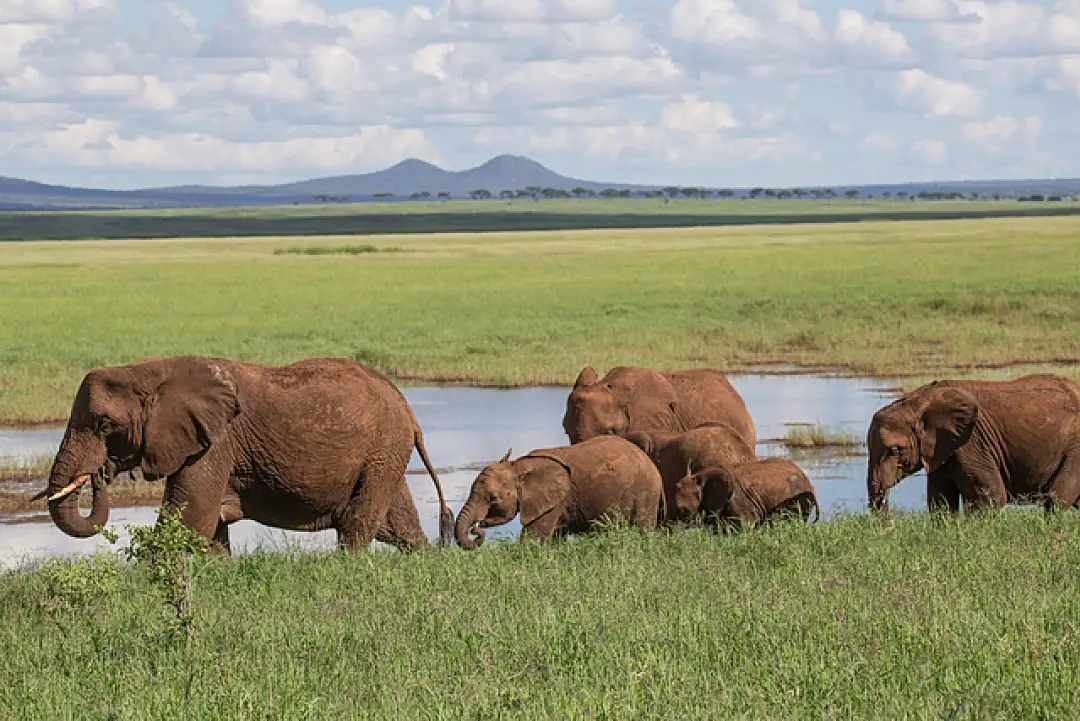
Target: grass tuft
[[819, 436]]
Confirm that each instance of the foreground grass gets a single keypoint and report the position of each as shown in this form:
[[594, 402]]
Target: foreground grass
[[860, 618], [516, 308]]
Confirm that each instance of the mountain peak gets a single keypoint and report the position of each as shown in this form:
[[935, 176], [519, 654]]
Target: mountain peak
[[414, 165]]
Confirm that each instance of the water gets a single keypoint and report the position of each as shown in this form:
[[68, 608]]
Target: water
[[469, 427]]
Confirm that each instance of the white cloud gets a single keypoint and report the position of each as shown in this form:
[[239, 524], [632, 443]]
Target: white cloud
[[935, 97], [51, 11], [95, 142], [930, 151], [562, 11], [1012, 29], [749, 32], [1003, 131], [921, 10], [870, 43]]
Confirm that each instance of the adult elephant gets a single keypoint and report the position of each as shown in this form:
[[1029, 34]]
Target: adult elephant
[[322, 443], [642, 399], [986, 442]]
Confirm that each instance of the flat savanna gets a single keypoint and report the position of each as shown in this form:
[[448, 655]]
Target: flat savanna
[[862, 617], [880, 298]]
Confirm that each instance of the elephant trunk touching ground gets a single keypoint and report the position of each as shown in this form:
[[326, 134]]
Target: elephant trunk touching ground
[[81, 457], [468, 537]]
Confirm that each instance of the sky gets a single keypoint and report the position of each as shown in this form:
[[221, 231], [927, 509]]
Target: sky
[[724, 93]]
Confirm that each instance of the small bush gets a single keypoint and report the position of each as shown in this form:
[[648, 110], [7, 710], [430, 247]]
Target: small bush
[[74, 584], [167, 550]]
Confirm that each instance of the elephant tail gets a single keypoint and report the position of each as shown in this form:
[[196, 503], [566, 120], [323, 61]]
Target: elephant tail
[[446, 516]]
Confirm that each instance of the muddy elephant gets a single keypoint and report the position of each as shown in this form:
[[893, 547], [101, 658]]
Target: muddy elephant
[[559, 491], [319, 444], [752, 492], [680, 454], [642, 399], [986, 442]]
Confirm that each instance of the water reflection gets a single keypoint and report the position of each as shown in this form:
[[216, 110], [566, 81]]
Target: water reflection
[[468, 427]]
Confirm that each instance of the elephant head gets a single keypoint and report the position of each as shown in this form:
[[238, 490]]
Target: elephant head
[[155, 415], [639, 398], [921, 430], [493, 501], [708, 489], [504, 489], [592, 409]]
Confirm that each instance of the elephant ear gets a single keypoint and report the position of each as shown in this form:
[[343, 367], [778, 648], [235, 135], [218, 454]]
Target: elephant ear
[[945, 425], [718, 486], [651, 403], [185, 414], [543, 489], [586, 377]]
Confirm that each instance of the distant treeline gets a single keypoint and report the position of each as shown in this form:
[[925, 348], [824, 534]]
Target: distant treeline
[[83, 226]]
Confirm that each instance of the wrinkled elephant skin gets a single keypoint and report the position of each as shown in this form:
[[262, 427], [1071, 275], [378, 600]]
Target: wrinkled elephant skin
[[680, 454], [750, 492], [319, 444], [560, 491], [642, 399], [985, 442]]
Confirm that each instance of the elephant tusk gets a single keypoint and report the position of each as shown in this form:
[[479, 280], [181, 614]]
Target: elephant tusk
[[70, 488]]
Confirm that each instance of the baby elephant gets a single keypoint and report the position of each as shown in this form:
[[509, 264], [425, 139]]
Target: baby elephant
[[563, 490], [678, 454], [752, 492]]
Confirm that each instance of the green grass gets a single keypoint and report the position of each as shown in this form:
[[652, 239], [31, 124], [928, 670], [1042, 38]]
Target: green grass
[[489, 216], [865, 618], [819, 436], [887, 298]]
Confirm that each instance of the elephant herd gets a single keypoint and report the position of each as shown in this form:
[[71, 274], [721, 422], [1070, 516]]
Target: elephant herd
[[324, 444]]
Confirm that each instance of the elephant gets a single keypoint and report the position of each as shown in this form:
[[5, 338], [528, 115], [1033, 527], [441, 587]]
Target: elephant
[[751, 492], [322, 443], [986, 442], [681, 454], [642, 399], [559, 491]]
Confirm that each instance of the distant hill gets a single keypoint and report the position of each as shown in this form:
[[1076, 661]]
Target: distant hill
[[505, 172]]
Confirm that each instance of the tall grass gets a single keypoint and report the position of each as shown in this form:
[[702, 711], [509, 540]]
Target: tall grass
[[517, 308], [907, 617]]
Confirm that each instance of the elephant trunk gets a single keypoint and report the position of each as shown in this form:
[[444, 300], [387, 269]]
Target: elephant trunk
[[880, 477], [468, 537], [80, 458]]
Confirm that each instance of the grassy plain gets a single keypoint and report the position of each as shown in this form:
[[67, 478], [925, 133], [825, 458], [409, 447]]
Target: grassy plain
[[910, 617], [516, 308], [465, 216]]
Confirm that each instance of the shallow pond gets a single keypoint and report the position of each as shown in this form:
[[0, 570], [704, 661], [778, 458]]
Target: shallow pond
[[464, 428]]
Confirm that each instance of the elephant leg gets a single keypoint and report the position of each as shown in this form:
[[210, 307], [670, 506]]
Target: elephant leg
[[981, 490], [366, 512], [542, 528], [401, 528], [198, 491], [942, 493], [1064, 487], [220, 542]]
